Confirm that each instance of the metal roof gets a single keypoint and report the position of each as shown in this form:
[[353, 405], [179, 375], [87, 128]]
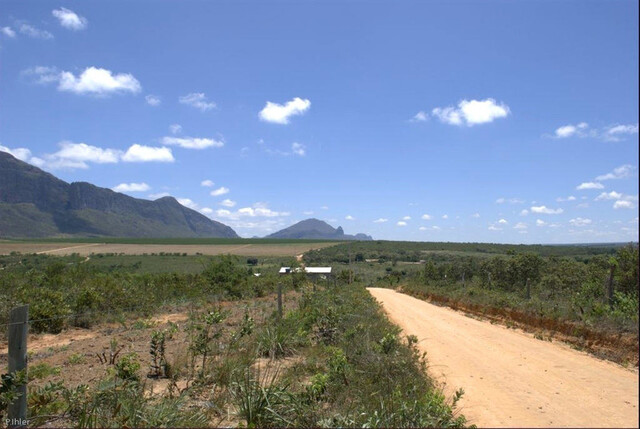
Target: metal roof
[[308, 270]]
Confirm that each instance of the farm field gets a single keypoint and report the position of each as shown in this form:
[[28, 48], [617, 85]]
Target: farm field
[[88, 248]]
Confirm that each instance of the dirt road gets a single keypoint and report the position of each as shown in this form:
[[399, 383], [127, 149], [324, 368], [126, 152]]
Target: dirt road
[[510, 378]]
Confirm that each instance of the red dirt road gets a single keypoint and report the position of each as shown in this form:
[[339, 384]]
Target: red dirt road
[[510, 378]]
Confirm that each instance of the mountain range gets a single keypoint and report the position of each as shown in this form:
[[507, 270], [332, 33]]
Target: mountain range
[[36, 204]]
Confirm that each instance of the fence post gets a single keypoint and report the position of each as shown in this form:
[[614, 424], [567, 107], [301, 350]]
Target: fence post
[[528, 288], [18, 327], [610, 286], [279, 300], [463, 279]]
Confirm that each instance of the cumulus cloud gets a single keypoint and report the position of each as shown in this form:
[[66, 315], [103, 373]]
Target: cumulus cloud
[[93, 80], [621, 172], [524, 212], [545, 210], [494, 228], [563, 199], [207, 183], [69, 19], [475, 215], [298, 149], [503, 221], [8, 31], [197, 100], [401, 223], [613, 195], [188, 203], [625, 204], [540, 222], [131, 187], [589, 185], [33, 32], [520, 225], [82, 152], [192, 142], [566, 131], [445, 216], [381, 220], [472, 112], [141, 153], [421, 116], [426, 216], [257, 210], [308, 212], [423, 228], [580, 221], [349, 217], [175, 128], [280, 113], [228, 203], [503, 200], [611, 133], [153, 100], [220, 191], [406, 218]]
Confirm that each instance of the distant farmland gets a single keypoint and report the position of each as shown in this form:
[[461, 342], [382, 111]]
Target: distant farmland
[[213, 246]]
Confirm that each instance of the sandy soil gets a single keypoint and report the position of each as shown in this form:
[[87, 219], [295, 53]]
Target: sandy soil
[[510, 378], [290, 249]]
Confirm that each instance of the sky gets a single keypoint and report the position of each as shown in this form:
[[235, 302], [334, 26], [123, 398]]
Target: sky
[[498, 121]]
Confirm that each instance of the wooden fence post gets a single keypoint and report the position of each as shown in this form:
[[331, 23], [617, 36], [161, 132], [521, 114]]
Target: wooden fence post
[[610, 286], [18, 328], [528, 288], [279, 300]]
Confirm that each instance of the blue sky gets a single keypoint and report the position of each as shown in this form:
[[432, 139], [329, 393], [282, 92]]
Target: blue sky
[[439, 121]]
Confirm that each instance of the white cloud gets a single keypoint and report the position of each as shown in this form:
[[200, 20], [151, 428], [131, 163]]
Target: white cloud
[[197, 100], [131, 187], [192, 142], [540, 222], [500, 200], [308, 212], [472, 112], [571, 130], [580, 221], [503, 221], [159, 195], [228, 203], [98, 81], [503, 200], [614, 133], [401, 223], [589, 185], [22, 153], [153, 100], [257, 210], [220, 191], [623, 204], [423, 228], [87, 153], [141, 153], [494, 228], [33, 32], [207, 183], [621, 172], [435, 228], [420, 117], [563, 199], [280, 114], [545, 210], [445, 216], [520, 225], [207, 211], [613, 195], [475, 215], [324, 208], [380, 220], [349, 217], [188, 203], [175, 128], [524, 212], [7, 31], [426, 216], [298, 149], [406, 218], [69, 19]]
